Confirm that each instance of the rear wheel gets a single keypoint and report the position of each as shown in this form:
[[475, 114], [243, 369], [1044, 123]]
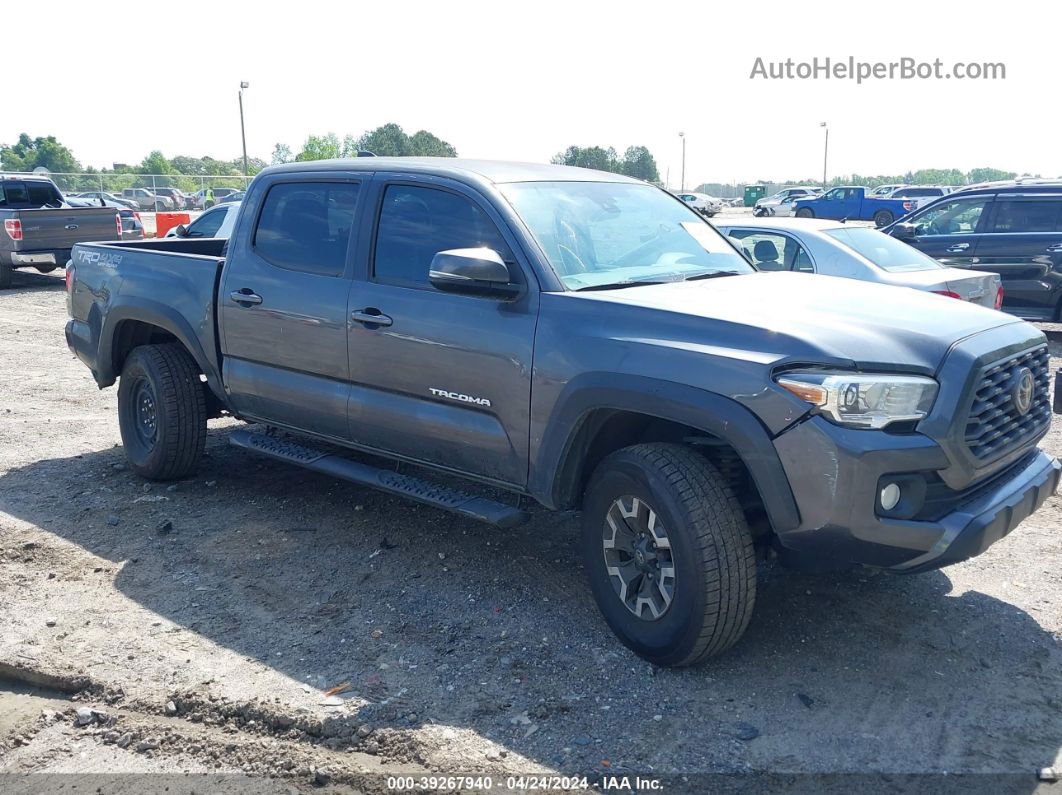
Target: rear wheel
[[805, 212], [883, 218], [5, 273], [668, 553], [162, 412]]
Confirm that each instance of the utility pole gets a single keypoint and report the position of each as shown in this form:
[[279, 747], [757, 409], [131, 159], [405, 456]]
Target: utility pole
[[243, 135], [825, 150], [682, 187]]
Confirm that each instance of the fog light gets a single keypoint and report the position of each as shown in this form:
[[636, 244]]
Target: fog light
[[890, 496]]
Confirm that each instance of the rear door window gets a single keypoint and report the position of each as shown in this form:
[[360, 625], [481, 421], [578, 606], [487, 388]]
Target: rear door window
[[305, 226], [1027, 215]]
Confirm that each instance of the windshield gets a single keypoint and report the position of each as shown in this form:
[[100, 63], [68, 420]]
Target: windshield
[[886, 252], [603, 233]]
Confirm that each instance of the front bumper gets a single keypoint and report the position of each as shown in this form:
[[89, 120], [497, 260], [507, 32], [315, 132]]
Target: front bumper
[[839, 521]]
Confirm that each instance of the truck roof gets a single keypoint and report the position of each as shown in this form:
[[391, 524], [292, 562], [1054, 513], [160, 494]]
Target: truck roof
[[496, 171]]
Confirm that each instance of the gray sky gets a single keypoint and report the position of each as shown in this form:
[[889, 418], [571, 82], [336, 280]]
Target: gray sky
[[522, 81]]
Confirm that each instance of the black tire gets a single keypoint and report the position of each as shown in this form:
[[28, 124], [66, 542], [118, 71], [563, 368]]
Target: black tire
[[5, 273], [883, 218], [46, 268], [162, 412], [805, 212], [709, 552]]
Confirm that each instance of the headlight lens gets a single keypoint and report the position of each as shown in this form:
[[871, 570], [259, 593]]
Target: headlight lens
[[863, 401]]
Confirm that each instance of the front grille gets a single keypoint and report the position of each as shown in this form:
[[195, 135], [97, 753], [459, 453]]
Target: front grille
[[994, 426]]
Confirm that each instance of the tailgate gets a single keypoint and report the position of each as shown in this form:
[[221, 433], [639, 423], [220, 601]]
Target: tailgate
[[63, 227]]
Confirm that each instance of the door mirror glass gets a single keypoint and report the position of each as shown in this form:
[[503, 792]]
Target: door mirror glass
[[471, 271]]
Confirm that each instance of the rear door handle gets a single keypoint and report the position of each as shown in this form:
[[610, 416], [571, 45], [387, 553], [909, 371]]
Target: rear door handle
[[370, 316], [246, 297], [1055, 249], [958, 247]]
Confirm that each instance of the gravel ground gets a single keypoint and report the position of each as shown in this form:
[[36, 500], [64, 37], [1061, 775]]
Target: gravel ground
[[198, 626]]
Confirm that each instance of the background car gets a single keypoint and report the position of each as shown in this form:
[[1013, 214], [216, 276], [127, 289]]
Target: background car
[[103, 199], [175, 195], [769, 205], [132, 226], [215, 222], [885, 190], [232, 197], [1010, 228], [146, 200], [834, 248], [701, 202], [921, 195], [202, 202]]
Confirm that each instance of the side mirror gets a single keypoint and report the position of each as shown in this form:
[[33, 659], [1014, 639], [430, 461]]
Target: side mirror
[[472, 271], [904, 231], [180, 230]]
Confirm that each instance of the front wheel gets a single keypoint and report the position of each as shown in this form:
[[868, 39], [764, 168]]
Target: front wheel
[[668, 553], [882, 218], [805, 212], [162, 412]]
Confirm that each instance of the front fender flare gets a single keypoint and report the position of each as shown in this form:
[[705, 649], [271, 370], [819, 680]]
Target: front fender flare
[[706, 411]]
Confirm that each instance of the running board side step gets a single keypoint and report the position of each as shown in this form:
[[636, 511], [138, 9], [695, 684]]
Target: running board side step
[[485, 510]]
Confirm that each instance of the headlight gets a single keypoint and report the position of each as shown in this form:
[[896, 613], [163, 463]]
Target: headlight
[[863, 401]]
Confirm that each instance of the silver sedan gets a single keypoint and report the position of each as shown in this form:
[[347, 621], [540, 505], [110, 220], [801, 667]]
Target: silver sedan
[[835, 248]]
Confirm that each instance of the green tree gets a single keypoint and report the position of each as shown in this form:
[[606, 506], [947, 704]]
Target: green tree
[[156, 163], [320, 147], [282, 154], [976, 175], [639, 163], [424, 144], [589, 157], [28, 154], [386, 141]]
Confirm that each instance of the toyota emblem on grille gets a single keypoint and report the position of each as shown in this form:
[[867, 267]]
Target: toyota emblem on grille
[[1022, 391]]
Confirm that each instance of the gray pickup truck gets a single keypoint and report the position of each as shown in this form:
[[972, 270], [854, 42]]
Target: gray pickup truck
[[40, 229], [585, 340]]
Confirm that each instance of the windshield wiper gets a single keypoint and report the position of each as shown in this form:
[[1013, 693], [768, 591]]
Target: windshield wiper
[[619, 285], [712, 275]]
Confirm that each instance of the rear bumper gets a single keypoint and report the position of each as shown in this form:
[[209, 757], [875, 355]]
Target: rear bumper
[[56, 256], [79, 340], [838, 508]]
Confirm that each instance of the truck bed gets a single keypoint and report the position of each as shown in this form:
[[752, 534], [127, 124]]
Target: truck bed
[[172, 286]]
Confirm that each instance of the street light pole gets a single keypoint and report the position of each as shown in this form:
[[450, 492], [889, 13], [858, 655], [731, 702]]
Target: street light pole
[[243, 135], [825, 150], [682, 187]]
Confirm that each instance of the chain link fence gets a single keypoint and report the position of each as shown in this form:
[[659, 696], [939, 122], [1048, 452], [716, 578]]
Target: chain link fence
[[149, 192]]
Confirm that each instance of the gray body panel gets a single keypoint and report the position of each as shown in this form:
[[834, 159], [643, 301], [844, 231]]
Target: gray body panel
[[499, 390]]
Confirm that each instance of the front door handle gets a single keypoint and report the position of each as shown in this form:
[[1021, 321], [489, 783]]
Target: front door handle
[[958, 247], [370, 316], [245, 297]]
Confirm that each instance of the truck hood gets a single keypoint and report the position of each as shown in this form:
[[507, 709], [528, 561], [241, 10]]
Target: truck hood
[[795, 317]]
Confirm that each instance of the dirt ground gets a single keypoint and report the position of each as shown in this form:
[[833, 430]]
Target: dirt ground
[[197, 627]]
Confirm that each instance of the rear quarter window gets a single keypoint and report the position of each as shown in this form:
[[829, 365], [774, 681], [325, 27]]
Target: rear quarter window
[[1023, 215]]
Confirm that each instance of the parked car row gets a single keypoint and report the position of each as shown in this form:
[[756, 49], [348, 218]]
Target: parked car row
[[706, 205], [585, 340]]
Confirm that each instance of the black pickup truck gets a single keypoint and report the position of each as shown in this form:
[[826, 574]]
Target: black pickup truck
[[585, 340], [40, 228]]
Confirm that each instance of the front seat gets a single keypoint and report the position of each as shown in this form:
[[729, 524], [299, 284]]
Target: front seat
[[765, 254]]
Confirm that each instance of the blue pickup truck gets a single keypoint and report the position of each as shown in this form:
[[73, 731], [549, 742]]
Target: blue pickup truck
[[853, 204]]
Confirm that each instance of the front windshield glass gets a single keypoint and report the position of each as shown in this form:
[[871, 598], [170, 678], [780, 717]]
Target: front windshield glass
[[603, 233], [886, 252]]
